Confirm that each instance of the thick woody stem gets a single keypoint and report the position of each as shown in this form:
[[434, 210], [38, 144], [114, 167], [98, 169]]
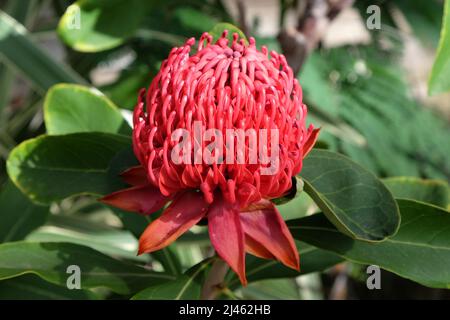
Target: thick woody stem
[[242, 13], [314, 17], [213, 284]]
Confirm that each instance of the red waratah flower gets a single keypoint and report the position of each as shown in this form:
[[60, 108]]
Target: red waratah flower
[[221, 87]]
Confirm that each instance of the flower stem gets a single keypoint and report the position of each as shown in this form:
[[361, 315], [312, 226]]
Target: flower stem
[[213, 284]]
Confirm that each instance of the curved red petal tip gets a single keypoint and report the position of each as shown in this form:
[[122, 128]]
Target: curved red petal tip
[[310, 141], [267, 228], [226, 235], [141, 250], [185, 211], [141, 199], [135, 176]]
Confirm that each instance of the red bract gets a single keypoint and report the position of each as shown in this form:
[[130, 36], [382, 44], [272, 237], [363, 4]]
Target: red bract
[[221, 87]]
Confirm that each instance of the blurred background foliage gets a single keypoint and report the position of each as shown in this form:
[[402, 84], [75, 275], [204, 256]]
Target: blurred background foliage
[[366, 88]]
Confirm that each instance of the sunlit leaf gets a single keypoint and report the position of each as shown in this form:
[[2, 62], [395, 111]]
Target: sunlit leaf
[[88, 26], [72, 108]]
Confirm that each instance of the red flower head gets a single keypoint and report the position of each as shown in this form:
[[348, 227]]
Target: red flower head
[[198, 131]]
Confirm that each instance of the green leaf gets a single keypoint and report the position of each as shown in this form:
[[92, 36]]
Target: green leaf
[[18, 215], [352, 198], [50, 261], [23, 12], [6, 82], [51, 168], [218, 29], [91, 27], [440, 73], [37, 65], [429, 191], [72, 108], [31, 287], [420, 251], [79, 228], [186, 287], [312, 259], [272, 289]]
